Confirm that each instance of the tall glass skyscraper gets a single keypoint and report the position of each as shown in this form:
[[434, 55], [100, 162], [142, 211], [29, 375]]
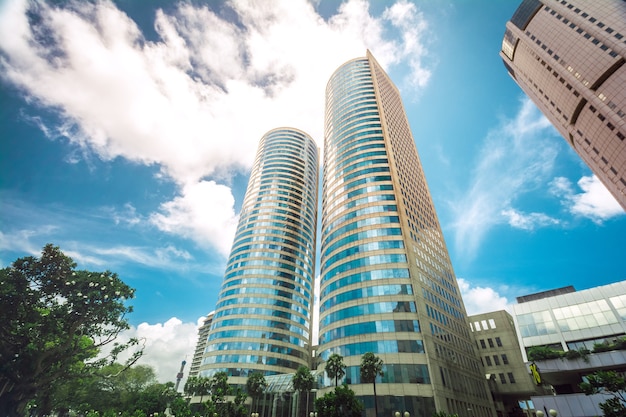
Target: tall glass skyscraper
[[568, 57], [387, 284], [262, 320]]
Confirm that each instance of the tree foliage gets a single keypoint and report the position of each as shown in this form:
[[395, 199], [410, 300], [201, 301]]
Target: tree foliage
[[302, 382], [198, 385], [55, 320], [335, 368], [110, 390], [371, 368], [341, 402], [256, 386], [608, 383], [540, 353]]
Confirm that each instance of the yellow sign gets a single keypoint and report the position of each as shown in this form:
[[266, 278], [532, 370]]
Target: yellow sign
[[535, 373]]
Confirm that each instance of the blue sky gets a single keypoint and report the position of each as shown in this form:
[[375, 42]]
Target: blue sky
[[128, 128]]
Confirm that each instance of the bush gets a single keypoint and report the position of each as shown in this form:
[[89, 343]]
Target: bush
[[580, 353], [541, 353]]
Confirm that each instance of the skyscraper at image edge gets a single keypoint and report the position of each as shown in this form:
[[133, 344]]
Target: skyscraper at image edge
[[568, 56], [262, 319], [387, 284]]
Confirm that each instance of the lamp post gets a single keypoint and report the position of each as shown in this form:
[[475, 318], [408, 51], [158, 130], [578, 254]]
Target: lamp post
[[552, 412], [407, 414], [397, 414], [540, 413]]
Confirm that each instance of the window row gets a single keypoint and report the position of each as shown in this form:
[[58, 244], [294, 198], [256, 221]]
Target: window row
[[496, 360], [366, 292], [490, 342], [368, 309], [370, 327]]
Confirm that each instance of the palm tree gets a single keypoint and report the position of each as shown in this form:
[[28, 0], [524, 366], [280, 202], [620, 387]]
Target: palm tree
[[197, 385], [335, 368], [371, 367], [302, 382], [204, 386], [191, 386], [255, 385], [220, 390]]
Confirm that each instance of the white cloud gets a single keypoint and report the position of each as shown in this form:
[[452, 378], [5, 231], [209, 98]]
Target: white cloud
[[515, 158], [166, 345], [196, 101], [414, 29], [22, 240], [595, 202], [528, 221], [204, 213], [480, 300]]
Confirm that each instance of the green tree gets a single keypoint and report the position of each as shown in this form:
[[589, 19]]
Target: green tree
[[55, 320], [371, 368], [255, 386], [198, 385], [339, 403], [608, 383], [219, 391], [109, 390], [302, 382], [335, 368]]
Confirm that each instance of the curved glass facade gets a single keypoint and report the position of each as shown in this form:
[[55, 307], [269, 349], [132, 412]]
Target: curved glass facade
[[262, 319], [386, 281]]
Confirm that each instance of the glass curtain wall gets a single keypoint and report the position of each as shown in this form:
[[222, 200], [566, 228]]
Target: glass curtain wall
[[262, 320]]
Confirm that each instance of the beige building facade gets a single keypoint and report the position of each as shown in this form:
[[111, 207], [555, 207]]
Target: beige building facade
[[568, 56], [198, 354], [387, 285], [509, 380]]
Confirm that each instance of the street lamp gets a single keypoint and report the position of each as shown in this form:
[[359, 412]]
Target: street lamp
[[540, 413], [397, 414], [313, 414], [407, 414], [552, 412]]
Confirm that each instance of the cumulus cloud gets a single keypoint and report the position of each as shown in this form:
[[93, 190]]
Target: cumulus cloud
[[480, 300], [166, 345], [515, 158], [204, 213], [595, 202], [195, 101]]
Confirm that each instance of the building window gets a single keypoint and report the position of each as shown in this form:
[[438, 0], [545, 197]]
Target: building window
[[482, 344], [505, 359], [496, 360], [490, 340], [511, 378], [502, 378], [498, 342], [536, 324], [488, 360]]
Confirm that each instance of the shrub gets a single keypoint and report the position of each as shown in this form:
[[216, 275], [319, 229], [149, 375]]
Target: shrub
[[540, 353]]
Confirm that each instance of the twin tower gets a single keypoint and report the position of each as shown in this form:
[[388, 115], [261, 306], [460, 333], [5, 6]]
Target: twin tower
[[386, 282]]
